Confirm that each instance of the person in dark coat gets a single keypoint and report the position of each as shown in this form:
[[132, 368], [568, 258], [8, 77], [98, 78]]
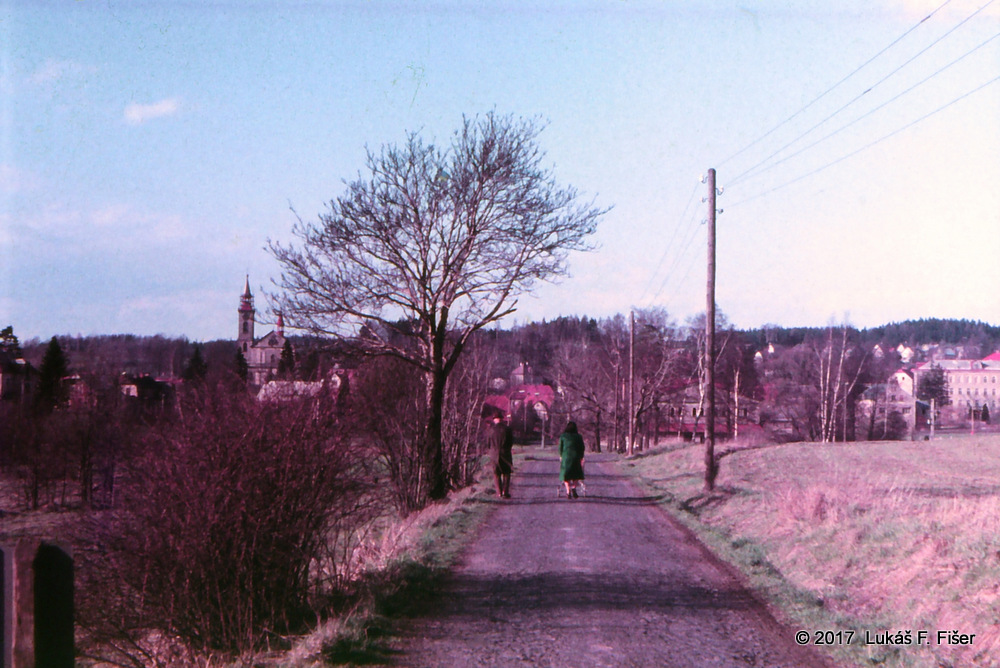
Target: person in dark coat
[[500, 441], [571, 453]]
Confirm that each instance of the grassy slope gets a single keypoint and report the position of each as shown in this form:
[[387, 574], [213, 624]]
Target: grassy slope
[[862, 536], [404, 571]]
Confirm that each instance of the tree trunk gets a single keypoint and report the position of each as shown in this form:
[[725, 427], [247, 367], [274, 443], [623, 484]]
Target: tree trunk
[[437, 487], [597, 431]]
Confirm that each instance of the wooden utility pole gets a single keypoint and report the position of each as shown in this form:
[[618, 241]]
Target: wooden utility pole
[[618, 393], [711, 467], [631, 382]]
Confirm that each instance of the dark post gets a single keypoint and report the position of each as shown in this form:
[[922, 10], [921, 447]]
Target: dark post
[[36, 618], [6, 605], [53, 570]]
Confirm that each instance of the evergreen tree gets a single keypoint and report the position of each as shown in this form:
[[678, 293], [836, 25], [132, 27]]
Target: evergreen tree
[[286, 365], [9, 343], [934, 385], [984, 415], [54, 368], [196, 369], [241, 366]]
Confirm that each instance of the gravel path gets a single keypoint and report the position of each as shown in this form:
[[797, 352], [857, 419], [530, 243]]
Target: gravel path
[[605, 580]]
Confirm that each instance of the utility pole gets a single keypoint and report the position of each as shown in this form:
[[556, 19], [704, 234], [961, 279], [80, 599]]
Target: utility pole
[[711, 466], [618, 393], [631, 382], [933, 409]]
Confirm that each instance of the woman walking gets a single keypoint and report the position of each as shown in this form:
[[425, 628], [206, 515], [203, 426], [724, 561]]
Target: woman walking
[[571, 459]]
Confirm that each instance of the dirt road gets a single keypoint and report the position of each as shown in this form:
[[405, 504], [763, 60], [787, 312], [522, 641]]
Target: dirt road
[[604, 580]]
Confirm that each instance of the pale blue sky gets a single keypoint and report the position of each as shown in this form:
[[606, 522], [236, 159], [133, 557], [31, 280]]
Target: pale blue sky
[[148, 150]]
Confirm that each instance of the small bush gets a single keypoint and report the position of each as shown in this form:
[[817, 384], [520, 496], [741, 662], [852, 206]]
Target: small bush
[[222, 525]]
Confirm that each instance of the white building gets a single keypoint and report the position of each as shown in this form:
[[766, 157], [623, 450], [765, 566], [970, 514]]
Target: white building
[[262, 355], [972, 384]]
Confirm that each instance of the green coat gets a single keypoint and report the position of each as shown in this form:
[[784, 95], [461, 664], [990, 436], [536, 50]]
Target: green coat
[[571, 454]]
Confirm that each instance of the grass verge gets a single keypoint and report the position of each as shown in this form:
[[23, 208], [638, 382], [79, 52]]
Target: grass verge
[[862, 537], [399, 586]]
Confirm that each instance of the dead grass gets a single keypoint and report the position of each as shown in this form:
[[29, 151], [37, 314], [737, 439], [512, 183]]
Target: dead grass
[[399, 561], [879, 536]]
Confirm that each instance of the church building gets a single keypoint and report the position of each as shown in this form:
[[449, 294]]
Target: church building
[[263, 355]]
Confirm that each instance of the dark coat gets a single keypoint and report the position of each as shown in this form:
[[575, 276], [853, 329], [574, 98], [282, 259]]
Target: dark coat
[[500, 442], [571, 452]]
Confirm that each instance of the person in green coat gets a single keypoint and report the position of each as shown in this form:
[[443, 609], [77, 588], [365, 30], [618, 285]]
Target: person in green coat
[[571, 459]]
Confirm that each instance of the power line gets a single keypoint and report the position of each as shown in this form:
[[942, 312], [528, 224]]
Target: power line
[[747, 172], [866, 114], [670, 243], [834, 86], [869, 145], [689, 240]]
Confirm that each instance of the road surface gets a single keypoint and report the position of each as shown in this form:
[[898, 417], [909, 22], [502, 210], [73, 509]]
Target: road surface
[[604, 580]]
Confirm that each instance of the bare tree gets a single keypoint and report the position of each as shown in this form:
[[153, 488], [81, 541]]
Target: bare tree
[[432, 246], [585, 374], [837, 378], [697, 335], [656, 362]]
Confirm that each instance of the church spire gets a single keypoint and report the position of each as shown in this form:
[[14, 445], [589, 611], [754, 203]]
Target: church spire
[[246, 300], [246, 318]]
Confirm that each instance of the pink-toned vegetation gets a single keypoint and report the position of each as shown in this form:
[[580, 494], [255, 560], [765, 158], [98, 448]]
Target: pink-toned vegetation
[[880, 536]]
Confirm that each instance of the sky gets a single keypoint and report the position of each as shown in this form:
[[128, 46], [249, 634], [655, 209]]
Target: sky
[[149, 150]]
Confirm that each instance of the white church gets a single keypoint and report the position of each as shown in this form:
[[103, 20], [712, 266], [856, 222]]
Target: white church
[[262, 355]]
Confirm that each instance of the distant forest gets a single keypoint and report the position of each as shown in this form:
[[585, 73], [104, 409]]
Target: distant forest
[[970, 333], [533, 343]]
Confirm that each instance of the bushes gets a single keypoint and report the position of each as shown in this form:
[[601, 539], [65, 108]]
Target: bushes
[[388, 410], [223, 529]]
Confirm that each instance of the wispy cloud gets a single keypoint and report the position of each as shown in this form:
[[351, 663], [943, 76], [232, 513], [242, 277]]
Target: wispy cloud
[[137, 114], [53, 70], [116, 226], [14, 180]]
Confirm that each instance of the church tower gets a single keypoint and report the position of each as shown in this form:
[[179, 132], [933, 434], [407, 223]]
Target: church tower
[[246, 313]]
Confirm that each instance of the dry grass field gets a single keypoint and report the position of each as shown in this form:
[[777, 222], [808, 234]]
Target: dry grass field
[[866, 537]]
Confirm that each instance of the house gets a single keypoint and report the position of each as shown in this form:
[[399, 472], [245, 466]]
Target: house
[[148, 392], [287, 390], [525, 403], [16, 377], [681, 411], [972, 384], [879, 402], [262, 355]]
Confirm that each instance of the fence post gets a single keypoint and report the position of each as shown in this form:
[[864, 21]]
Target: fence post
[[36, 615]]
